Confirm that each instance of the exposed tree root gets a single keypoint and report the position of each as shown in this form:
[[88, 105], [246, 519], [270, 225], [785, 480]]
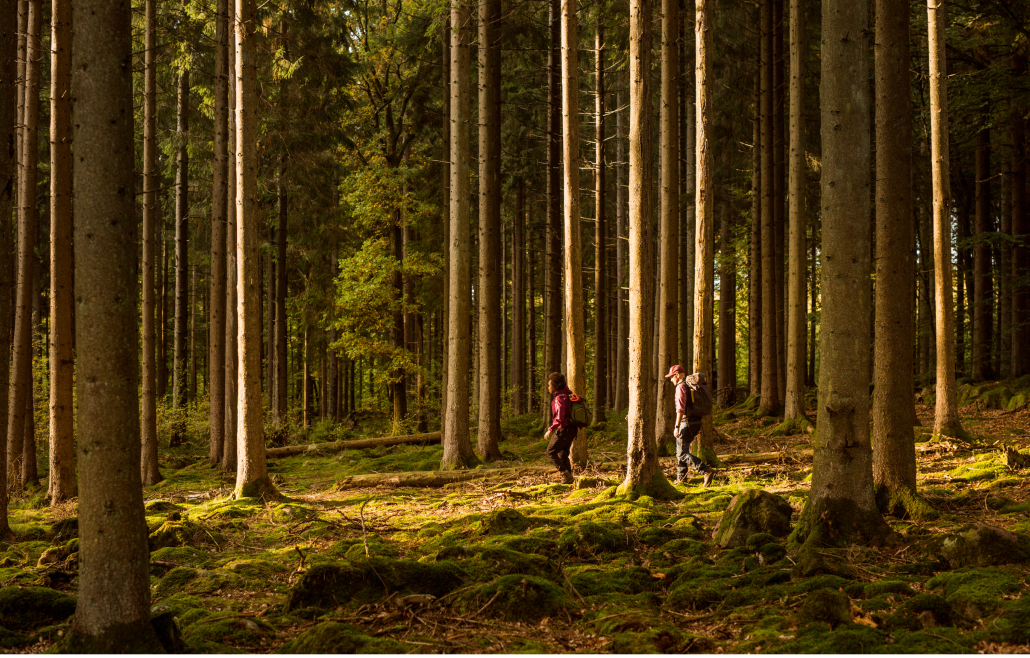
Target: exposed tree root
[[659, 487], [904, 503], [828, 522], [791, 426]]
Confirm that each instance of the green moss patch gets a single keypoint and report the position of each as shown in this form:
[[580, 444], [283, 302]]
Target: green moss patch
[[594, 581], [332, 637], [333, 584], [24, 608], [515, 598], [589, 540], [826, 605], [175, 581], [975, 592]]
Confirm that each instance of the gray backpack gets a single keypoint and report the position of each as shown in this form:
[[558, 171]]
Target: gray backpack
[[699, 394]]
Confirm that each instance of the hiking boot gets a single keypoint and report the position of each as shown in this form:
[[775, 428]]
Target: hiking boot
[[566, 477], [709, 475]]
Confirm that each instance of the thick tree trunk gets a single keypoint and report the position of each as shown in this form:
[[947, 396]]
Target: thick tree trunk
[[983, 288], [491, 276], [219, 208], [62, 482], [9, 40], [575, 323], [704, 264], [518, 301], [601, 375], [180, 363], [21, 375], [251, 466], [946, 420], [727, 380], [113, 610], [755, 255], [231, 408], [794, 400], [643, 474], [894, 458], [457, 448], [688, 135], [770, 401], [279, 370], [1020, 226], [841, 507], [668, 230], [621, 258]]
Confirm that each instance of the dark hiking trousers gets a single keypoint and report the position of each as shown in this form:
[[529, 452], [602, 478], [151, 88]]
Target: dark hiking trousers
[[684, 459], [560, 446]]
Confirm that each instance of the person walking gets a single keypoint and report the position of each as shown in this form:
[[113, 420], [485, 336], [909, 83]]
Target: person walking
[[693, 403], [562, 432]]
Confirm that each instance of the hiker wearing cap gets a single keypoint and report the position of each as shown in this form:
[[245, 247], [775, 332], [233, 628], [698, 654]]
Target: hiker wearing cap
[[693, 402], [562, 431]]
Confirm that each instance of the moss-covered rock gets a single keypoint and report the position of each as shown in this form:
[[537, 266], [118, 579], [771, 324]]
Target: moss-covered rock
[[23, 608], [65, 529], [641, 512], [181, 555], [887, 588], [922, 611], [172, 533], [695, 595], [524, 544], [332, 637], [168, 633], [261, 570], [684, 547], [332, 584], [161, 507], [656, 536], [232, 631], [973, 592], [689, 527], [772, 552], [593, 581], [486, 562], [1017, 401], [515, 598], [588, 539], [826, 605], [504, 521], [751, 512], [996, 398], [980, 546], [175, 581]]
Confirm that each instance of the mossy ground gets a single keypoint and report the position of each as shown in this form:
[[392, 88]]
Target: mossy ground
[[530, 565]]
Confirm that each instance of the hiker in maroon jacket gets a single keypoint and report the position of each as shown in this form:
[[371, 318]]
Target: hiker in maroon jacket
[[562, 432], [688, 424]]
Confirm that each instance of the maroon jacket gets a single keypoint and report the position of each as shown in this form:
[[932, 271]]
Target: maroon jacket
[[560, 409]]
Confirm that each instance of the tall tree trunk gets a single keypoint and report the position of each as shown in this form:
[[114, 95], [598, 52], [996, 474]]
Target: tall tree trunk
[[779, 160], [794, 400], [643, 474], [445, 74], [575, 323], [668, 231], [841, 507], [601, 376], [307, 392], [894, 458], [9, 86], [398, 385], [727, 312], [252, 467], [622, 255], [21, 375], [182, 265], [704, 195], [162, 309], [336, 365], [983, 288], [231, 410], [149, 472], [518, 301], [687, 246], [754, 279], [531, 392], [113, 610], [1003, 265], [192, 395], [552, 233], [770, 401], [457, 449], [62, 482], [1020, 226], [279, 369], [491, 275], [219, 208]]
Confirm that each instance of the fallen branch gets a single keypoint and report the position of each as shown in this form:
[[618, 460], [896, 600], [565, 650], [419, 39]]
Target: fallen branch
[[357, 444], [435, 478], [759, 457]]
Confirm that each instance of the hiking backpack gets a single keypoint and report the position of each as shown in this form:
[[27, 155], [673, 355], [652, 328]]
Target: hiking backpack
[[579, 413], [700, 395]]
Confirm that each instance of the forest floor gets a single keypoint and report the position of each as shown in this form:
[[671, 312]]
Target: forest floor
[[523, 564]]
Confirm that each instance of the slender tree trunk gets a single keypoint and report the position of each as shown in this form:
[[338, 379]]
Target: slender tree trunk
[[531, 392], [9, 86], [963, 292], [62, 482], [21, 375], [307, 393], [113, 610], [770, 401], [445, 74], [192, 396], [457, 448], [518, 301], [182, 236], [794, 401], [983, 288], [280, 365], [727, 312], [841, 507], [219, 209], [162, 309], [704, 194], [687, 246], [779, 219], [229, 452], [601, 375], [252, 467], [398, 387], [810, 377], [149, 472], [552, 233], [575, 323], [668, 236], [1003, 264], [755, 256], [643, 474], [894, 458], [491, 275], [622, 256], [1020, 226]]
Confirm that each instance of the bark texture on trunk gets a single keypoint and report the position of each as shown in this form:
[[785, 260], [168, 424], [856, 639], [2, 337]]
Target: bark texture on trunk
[[842, 508], [621, 259], [219, 207], [982, 307], [279, 370], [8, 179], [62, 482], [1020, 226], [180, 360], [491, 274], [794, 400], [229, 452], [755, 254], [770, 400], [727, 379], [518, 301], [552, 361], [601, 375], [113, 610]]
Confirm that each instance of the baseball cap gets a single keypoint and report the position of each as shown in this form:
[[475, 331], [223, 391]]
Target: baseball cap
[[675, 370]]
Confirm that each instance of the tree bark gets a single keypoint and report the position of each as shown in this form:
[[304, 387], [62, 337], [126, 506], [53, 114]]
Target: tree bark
[[518, 301], [983, 288], [601, 375], [621, 258], [668, 237], [946, 419], [162, 310], [727, 379], [1020, 226], [491, 275], [704, 195], [62, 482], [113, 610], [219, 209], [457, 448], [575, 323], [779, 219], [230, 409], [192, 395], [445, 74], [688, 135], [552, 233], [794, 400], [770, 401], [398, 385], [182, 266], [251, 467], [755, 255], [9, 86], [841, 507], [643, 474], [279, 369], [21, 375]]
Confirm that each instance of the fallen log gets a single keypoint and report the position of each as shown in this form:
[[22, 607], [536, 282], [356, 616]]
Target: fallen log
[[436, 478], [429, 438], [761, 457]]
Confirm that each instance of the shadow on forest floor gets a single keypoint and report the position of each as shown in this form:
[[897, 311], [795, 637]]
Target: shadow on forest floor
[[529, 565]]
